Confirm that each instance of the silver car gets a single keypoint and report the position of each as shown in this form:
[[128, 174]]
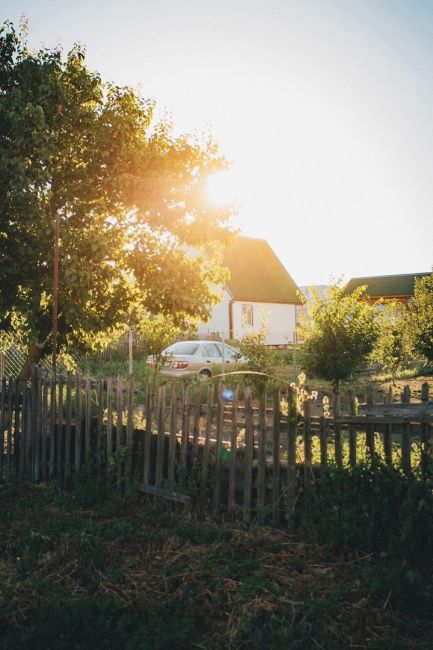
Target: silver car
[[197, 358]]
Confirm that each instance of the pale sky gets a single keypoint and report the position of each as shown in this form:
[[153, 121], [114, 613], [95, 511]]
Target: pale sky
[[324, 107]]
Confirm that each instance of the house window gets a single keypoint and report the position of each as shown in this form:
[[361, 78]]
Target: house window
[[247, 315]]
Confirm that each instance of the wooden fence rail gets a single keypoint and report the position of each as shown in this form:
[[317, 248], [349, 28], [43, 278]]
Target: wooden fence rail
[[229, 449]]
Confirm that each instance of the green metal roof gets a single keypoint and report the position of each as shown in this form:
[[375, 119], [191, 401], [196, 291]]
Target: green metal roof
[[256, 273], [386, 286]]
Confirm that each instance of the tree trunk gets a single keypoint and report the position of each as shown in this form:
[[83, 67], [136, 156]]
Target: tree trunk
[[35, 354]]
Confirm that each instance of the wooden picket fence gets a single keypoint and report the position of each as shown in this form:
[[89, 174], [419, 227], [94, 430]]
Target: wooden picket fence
[[227, 450]]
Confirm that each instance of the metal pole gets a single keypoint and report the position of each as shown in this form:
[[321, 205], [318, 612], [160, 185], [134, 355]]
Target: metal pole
[[55, 290]]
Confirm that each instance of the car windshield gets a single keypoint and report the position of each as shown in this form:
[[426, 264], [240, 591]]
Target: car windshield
[[182, 348]]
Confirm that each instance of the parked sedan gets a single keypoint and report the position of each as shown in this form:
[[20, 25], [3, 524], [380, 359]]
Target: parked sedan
[[191, 358]]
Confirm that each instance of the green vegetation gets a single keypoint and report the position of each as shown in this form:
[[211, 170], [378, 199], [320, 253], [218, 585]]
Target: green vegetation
[[420, 321], [97, 568], [129, 196], [392, 350], [340, 333]]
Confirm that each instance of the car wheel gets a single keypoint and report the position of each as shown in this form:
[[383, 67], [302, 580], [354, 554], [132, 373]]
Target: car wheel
[[204, 374]]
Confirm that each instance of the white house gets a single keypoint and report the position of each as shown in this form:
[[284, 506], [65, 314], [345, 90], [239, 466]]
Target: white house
[[259, 289]]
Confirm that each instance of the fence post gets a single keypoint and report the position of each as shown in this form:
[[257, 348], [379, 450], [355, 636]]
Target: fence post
[[109, 449], [308, 466], [160, 447], [129, 430], [248, 456], [387, 436], [336, 412], [2, 424], [208, 429], [261, 453], [405, 436], [352, 430], [185, 428], [148, 434], [370, 427], [233, 451], [173, 437], [292, 417], [427, 451], [276, 497], [218, 446], [67, 466]]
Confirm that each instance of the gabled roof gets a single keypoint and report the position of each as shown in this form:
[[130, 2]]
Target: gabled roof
[[386, 286], [256, 273]]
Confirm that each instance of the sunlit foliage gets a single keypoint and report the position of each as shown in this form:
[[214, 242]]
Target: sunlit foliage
[[130, 197]]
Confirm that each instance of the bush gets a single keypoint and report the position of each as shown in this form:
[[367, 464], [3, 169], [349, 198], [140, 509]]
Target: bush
[[377, 510]]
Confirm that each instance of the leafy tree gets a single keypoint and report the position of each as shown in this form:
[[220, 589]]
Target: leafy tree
[[340, 332], [420, 317], [392, 349], [129, 195], [253, 347], [159, 332]]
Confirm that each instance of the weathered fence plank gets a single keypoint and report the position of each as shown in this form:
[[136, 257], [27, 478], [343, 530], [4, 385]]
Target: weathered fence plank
[[276, 431], [248, 455]]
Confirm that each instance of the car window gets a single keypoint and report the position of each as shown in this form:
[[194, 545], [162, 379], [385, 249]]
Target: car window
[[211, 350], [230, 353], [182, 348]]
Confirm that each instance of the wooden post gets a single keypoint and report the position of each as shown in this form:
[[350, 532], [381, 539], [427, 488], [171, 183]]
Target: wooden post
[[292, 417], [129, 430], [119, 429], [160, 448], [18, 430], [405, 436], [44, 427], [218, 446], [208, 429], [148, 434], [261, 454], [78, 431], [22, 471], [185, 428], [248, 456], [60, 435], [100, 414], [387, 436], [308, 466], [173, 436], [352, 430], [8, 431], [427, 451], [109, 450], [336, 412], [38, 426], [276, 495], [2, 423], [88, 421], [196, 423], [323, 439], [233, 452], [53, 399], [67, 468], [370, 427]]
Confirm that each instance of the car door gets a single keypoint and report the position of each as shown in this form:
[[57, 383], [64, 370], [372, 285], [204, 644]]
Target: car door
[[211, 355]]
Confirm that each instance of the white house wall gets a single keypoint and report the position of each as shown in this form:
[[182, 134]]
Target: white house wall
[[219, 321], [280, 321]]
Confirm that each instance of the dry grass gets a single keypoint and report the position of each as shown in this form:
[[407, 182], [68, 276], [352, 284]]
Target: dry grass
[[157, 578]]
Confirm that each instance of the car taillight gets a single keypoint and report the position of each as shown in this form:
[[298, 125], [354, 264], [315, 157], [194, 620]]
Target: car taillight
[[179, 364]]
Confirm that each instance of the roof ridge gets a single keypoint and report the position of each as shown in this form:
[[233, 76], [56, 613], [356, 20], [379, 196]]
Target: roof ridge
[[390, 275]]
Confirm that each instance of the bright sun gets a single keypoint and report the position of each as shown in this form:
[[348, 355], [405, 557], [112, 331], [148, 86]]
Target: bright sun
[[221, 188]]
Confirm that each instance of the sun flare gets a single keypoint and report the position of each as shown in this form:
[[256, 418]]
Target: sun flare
[[221, 189]]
